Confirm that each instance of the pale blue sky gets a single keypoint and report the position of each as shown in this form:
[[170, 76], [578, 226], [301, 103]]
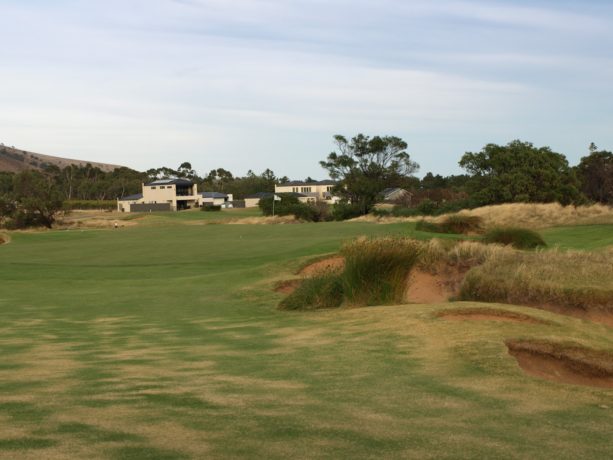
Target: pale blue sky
[[251, 84]]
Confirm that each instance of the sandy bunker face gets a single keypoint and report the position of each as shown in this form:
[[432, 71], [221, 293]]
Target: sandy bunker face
[[334, 263], [287, 286], [488, 314], [564, 363]]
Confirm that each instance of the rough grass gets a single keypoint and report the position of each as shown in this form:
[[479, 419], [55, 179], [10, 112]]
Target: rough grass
[[573, 279], [536, 216], [376, 269], [454, 223], [529, 215], [519, 238], [323, 290]]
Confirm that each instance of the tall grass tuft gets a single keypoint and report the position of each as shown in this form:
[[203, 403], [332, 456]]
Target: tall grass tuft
[[324, 290], [571, 279], [519, 238], [376, 269], [454, 223]]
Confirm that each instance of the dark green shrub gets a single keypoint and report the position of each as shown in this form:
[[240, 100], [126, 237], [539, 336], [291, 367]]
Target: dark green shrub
[[401, 211], [211, 208], [376, 269], [321, 291], [426, 226], [520, 238], [345, 211]]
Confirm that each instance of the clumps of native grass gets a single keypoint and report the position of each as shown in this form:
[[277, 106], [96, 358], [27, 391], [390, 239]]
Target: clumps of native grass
[[538, 215], [572, 280], [454, 223], [374, 273], [322, 290], [376, 269], [519, 238]]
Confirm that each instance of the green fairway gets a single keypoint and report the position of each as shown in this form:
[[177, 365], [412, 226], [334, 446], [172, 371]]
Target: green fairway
[[164, 341], [580, 237]]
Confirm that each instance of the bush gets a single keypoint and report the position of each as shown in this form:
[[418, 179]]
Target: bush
[[456, 223], [520, 238], [324, 290], [376, 269], [345, 211], [211, 207]]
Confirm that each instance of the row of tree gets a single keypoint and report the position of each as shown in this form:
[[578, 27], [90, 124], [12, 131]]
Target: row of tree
[[516, 172], [362, 166]]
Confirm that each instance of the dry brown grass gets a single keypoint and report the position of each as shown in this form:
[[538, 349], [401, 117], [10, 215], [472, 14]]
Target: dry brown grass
[[267, 220], [529, 215], [532, 215]]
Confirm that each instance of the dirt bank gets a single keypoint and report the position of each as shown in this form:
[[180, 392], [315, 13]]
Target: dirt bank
[[334, 263], [563, 363], [488, 314]]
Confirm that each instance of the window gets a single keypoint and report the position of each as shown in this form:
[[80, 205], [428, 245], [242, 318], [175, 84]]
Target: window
[[161, 187], [152, 188]]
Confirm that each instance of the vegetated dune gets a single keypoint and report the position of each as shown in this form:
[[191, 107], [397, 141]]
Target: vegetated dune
[[569, 282], [534, 215], [574, 283], [16, 160], [529, 215], [566, 363], [264, 220]]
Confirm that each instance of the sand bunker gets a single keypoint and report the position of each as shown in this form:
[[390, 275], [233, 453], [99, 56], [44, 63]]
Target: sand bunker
[[563, 363], [287, 286], [425, 287], [488, 314], [334, 263]]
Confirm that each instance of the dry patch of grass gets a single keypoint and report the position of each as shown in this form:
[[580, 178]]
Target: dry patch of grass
[[567, 363], [533, 215], [264, 220], [529, 215], [574, 282]]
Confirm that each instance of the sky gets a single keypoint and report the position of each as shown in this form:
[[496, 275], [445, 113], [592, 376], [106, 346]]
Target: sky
[[256, 84]]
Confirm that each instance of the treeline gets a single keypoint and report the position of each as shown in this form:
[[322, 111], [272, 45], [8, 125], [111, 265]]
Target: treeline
[[362, 166]]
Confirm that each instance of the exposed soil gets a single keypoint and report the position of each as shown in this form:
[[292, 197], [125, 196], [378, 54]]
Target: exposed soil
[[425, 287], [287, 286], [334, 263], [563, 363], [488, 314], [596, 314]]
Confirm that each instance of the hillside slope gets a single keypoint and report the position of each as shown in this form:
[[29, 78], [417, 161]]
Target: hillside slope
[[15, 160]]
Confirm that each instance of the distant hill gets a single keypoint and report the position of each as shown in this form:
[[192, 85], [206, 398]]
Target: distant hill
[[15, 160]]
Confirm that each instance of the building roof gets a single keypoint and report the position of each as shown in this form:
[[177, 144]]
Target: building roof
[[138, 196], [213, 195], [295, 183], [391, 190], [175, 181]]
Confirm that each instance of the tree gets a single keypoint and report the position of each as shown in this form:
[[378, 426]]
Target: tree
[[595, 173], [38, 200], [520, 172], [365, 166]]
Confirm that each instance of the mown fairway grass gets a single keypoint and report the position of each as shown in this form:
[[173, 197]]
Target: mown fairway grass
[[164, 342]]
